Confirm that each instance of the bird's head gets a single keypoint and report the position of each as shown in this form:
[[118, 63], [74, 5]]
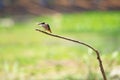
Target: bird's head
[[41, 23]]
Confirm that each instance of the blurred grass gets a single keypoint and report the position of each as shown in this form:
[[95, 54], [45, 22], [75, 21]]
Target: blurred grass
[[21, 43]]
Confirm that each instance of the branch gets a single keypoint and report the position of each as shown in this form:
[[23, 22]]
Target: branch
[[96, 51]]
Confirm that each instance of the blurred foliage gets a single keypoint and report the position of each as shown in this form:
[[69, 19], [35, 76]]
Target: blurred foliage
[[39, 54]]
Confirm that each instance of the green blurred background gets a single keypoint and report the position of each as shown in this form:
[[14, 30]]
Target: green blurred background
[[27, 54]]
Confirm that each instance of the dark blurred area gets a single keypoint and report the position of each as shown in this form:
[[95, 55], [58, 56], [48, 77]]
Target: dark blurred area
[[38, 7]]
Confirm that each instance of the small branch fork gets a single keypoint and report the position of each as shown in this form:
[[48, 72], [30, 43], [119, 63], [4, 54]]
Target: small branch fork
[[96, 51]]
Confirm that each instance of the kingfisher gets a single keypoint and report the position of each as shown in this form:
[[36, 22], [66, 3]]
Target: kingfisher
[[45, 26]]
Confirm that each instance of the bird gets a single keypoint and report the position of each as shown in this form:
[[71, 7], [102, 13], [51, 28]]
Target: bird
[[45, 26]]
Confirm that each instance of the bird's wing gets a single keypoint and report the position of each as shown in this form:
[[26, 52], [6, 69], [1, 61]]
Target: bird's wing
[[48, 28]]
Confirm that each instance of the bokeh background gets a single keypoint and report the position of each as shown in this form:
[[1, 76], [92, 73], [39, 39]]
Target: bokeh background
[[26, 54]]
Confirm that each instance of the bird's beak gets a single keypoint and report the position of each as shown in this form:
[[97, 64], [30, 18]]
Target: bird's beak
[[39, 23]]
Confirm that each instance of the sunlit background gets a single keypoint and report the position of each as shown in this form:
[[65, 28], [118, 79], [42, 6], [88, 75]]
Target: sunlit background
[[26, 54]]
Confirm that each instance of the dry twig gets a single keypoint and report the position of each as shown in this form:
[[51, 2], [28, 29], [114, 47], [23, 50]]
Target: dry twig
[[96, 51]]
